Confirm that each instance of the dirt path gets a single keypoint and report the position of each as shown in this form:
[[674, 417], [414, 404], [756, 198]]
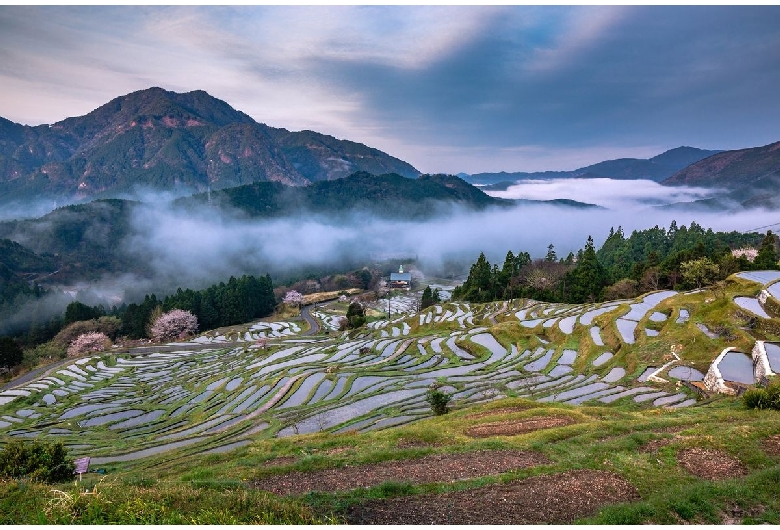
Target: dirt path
[[559, 498], [492, 316], [433, 468], [514, 427]]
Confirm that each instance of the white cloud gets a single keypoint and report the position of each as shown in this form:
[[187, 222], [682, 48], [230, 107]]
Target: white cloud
[[583, 27], [609, 193]]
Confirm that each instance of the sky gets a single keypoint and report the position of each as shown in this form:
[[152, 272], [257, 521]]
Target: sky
[[447, 89]]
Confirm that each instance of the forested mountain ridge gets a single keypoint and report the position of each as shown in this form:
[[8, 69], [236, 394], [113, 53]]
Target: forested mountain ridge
[[732, 169], [160, 140], [85, 238], [390, 195], [656, 168]]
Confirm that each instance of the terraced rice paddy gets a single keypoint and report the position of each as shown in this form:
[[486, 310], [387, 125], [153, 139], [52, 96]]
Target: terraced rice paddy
[[752, 305], [220, 390]]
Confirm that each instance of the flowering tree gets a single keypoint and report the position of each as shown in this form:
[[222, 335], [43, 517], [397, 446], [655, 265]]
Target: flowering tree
[[87, 342], [262, 342], [293, 298], [748, 253], [174, 324]]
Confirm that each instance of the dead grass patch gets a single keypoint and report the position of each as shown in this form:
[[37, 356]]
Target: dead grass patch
[[514, 427], [412, 443], [559, 498], [497, 412], [280, 461], [772, 445], [432, 468], [339, 450], [711, 464]]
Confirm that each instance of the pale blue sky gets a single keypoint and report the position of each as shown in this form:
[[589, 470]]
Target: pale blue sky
[[447, 89]]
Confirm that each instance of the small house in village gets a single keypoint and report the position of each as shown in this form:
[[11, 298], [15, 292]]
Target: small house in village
[[400, 279]]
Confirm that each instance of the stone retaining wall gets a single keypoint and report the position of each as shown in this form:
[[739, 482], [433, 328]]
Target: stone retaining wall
[[761, 366], [714, 380]]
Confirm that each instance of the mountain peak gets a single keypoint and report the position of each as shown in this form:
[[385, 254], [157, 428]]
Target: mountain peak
[[682, 156], [157, 139]]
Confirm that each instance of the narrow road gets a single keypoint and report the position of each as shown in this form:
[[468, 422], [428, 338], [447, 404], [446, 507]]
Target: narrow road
[[34, 374], [314, 326]]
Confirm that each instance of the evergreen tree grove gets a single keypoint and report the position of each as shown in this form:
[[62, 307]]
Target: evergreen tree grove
[[767, 255]]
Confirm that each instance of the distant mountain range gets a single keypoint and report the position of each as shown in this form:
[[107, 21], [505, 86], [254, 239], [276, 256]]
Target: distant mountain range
[[183, 143], [731, 169], [658, 168]]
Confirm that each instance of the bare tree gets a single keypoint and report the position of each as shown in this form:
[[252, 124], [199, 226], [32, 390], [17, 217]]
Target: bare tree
[[541, 274], [651, 279]]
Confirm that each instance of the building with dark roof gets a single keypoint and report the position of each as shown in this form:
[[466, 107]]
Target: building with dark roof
[[400, 279]]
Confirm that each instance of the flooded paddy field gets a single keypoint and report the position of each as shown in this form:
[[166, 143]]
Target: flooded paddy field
[[219, 391]]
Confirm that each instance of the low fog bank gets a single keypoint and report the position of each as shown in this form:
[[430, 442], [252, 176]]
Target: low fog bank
[[609, 193], [201, 247], [194, 248], [26, 209]]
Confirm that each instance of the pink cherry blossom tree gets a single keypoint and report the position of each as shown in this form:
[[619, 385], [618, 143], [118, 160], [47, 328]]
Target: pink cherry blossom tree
[[174, 324], [293, 298], [89, 342]]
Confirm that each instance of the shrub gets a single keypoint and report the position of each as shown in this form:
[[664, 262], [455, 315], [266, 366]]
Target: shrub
[[174, 324], [356, 315], [763, 398], [438, 401], [38, 461], [89, 342], [108, 325], [47, 351]]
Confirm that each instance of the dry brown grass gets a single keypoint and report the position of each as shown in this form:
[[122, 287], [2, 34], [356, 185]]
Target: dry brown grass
[[316, 298], [514, 427]]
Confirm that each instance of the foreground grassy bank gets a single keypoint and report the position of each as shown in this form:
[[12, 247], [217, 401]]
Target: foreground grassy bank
[[650, 450]]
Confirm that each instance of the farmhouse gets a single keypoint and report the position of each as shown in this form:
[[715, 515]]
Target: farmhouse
[[400, 279]]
